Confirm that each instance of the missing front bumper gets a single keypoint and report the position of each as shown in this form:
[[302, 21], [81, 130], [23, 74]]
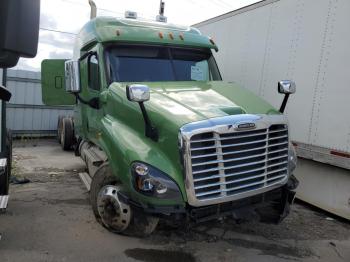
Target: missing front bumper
[[269, 207]]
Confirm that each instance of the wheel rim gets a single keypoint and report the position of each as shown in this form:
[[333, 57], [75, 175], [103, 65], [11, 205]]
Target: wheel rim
[[114, 214]]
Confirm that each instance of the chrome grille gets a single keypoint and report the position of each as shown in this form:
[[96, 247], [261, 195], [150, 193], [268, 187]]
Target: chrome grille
[[224, 165]]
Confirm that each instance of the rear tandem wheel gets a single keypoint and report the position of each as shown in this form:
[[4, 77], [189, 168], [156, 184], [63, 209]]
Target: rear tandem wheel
[[67, 133]]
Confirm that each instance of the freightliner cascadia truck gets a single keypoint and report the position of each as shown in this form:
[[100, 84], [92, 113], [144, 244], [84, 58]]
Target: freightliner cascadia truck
[[162, 135]]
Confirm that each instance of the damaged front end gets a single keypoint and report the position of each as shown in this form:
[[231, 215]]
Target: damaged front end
[[238, 166], [270, 207]]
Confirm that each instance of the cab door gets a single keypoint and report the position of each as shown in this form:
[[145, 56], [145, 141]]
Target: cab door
[[91, 88]]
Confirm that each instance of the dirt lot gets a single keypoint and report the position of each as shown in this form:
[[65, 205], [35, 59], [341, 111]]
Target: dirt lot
[[50, 219]]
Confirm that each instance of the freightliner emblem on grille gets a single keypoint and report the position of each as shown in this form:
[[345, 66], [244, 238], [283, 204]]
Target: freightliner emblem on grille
[[245, 126]]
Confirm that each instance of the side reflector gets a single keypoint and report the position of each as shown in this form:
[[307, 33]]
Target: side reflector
[[341, 154]]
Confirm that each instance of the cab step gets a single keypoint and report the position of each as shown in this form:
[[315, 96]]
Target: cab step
[[3, 202], [86, 179]]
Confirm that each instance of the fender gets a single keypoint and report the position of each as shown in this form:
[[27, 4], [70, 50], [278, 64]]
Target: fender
[[124, 145]]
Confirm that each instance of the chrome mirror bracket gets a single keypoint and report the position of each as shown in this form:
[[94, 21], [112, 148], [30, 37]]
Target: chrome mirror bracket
[[286, 87], [141, 93]]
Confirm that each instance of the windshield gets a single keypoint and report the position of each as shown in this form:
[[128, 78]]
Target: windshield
[[130, 63]]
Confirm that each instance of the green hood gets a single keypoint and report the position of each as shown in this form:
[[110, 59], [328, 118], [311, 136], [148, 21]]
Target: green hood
[[185, 102], [174, 104], [179, 103]]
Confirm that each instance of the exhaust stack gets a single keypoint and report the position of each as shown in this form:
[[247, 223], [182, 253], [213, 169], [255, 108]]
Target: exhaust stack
[[93, 9], [161, 8], [161, 17]]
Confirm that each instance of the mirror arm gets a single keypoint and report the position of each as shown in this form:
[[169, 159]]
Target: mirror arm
[[94, 103], [150, 131], [284, 103], [83, 101], [86, 55]]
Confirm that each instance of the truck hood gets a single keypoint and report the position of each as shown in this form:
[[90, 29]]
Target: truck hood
[[185, 102]]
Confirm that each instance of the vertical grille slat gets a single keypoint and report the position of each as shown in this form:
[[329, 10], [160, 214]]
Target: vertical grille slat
[[240, 161]]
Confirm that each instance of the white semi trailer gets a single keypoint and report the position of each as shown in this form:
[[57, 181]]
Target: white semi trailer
[[307, 41]]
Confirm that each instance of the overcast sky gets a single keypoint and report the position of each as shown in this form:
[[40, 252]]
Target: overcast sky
[[70, 15]]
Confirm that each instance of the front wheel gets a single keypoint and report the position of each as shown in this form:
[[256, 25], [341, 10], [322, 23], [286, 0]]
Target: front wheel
[[113, 214]]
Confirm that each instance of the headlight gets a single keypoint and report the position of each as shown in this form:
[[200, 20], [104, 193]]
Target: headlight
[[150, 181], [292, 159]]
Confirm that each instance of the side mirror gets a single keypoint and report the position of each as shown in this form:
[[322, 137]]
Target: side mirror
[[137, 93], [19, 30], [141, 93], [72, 78], [286, 87], [5, 94]]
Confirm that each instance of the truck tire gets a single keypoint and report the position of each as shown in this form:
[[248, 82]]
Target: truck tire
[[59, 128], [124, 219], [67, 134]]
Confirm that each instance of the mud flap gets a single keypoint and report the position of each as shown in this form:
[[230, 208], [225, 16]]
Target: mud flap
[[278, 208], [288, 195]]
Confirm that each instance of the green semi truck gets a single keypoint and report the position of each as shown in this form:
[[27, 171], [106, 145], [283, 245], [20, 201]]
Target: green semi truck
[[162, 135]]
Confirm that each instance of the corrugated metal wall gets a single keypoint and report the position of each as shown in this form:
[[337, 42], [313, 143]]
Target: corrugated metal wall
[[26, 113]]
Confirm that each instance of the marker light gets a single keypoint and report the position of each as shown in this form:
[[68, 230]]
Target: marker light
[[181, 37], [171, 36], [160, 35], [161, 18], [130, 14]]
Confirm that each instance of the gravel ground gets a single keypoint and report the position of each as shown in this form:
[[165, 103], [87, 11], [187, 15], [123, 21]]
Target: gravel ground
[[50, 219]]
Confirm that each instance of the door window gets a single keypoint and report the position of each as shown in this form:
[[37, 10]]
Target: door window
[[94, 75]]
